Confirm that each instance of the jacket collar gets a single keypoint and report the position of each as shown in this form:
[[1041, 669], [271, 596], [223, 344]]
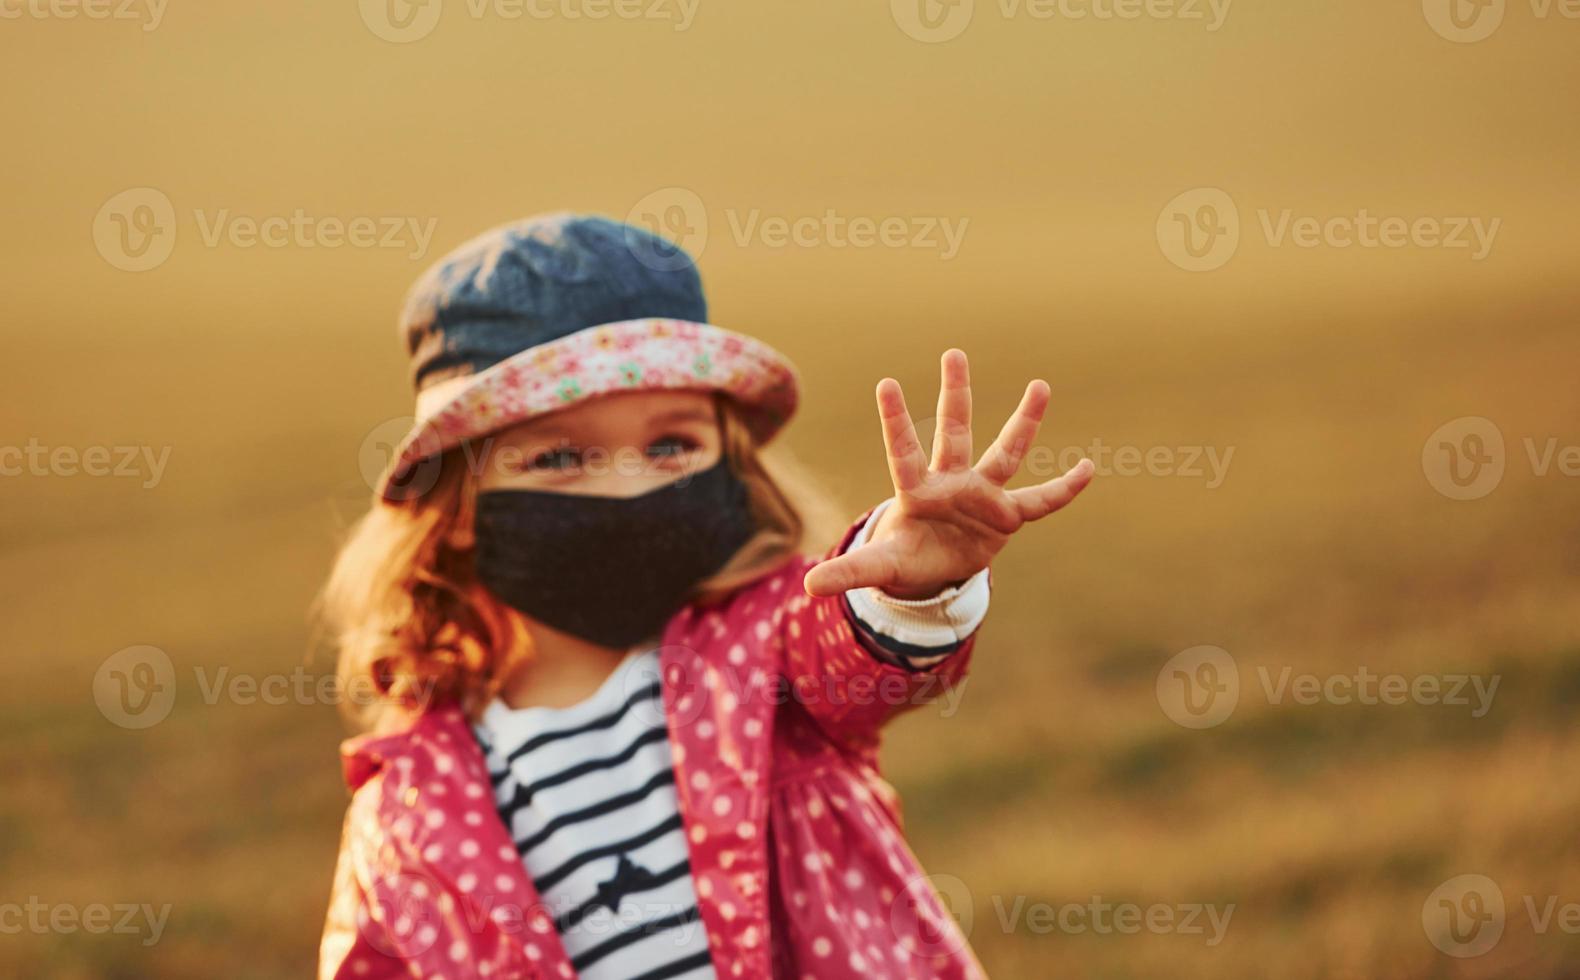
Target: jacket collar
[[716, 665]]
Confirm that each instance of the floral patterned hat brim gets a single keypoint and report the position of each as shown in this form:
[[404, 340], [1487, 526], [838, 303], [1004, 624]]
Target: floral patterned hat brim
[[633, 355]]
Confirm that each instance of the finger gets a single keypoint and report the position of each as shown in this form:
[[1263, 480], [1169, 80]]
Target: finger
[[1043, 499], [995, 509], [952, 438], [907, 465], [1003, 458], [869, 565]]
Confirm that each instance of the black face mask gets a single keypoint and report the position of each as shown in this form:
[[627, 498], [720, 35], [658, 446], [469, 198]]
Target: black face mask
[[612, 570]]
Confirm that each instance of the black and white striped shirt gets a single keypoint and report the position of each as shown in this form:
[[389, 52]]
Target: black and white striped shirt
[[588, 794]]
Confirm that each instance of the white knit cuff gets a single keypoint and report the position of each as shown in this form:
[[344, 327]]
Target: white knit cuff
[[941, 621]]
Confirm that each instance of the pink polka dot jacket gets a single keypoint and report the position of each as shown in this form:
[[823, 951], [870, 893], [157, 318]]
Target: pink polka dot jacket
[[774, 708]]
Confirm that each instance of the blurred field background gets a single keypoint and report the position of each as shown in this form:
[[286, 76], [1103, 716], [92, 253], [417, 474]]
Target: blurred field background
[[1060, 781]]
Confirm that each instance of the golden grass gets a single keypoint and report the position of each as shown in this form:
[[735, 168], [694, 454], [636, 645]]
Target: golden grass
[[1059, 781]]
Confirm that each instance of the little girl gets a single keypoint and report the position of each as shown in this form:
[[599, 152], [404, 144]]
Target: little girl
[[627, 728]]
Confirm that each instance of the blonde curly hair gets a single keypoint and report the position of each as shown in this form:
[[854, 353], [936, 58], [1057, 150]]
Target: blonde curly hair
[[411, 624]]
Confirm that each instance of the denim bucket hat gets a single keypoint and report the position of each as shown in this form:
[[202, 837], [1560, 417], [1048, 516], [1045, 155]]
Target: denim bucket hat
[[542, 313]]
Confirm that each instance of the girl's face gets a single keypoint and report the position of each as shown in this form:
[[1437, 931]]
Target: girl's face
[[618, 445]]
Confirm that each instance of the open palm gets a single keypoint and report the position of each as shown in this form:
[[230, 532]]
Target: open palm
[[948, 518]]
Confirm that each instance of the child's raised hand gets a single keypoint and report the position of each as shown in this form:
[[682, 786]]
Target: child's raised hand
[[948, 518]]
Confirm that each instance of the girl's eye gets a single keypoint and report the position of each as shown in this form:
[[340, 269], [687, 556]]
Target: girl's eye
[[671, 446], [554, 459]]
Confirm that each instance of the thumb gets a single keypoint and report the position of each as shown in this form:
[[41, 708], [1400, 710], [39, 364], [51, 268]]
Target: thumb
[[870, 565]]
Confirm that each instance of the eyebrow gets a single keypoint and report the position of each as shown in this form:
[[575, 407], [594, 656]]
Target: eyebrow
[[705, 415], [684, 415]]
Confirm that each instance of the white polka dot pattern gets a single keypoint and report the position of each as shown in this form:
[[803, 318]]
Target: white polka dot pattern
[[774, 711]]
